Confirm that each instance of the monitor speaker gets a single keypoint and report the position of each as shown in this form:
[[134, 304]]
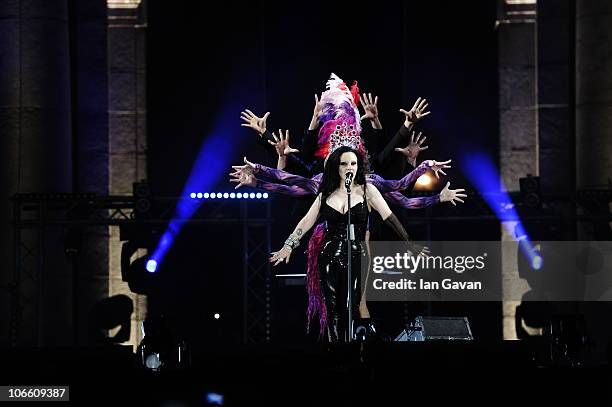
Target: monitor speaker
[[436, 329]]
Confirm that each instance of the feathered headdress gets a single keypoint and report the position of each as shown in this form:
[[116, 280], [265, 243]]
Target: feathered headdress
[[340, 119]]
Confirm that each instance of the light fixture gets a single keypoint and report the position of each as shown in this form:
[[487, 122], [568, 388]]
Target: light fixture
[[424, 180], [160, 349], [151, 266]]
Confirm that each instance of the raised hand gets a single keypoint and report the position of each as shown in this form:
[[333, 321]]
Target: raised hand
[[318, 107], [248, 167], [281, 144], [244, 175], [316, 113], [279, 256], [370, 106], [418, 111], [256, 123], [452, 195], [412, 150], [437, 166], [243, 178]]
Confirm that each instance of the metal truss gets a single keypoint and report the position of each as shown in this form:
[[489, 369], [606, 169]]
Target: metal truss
[[257, 278], [592, 206], [35, 214]]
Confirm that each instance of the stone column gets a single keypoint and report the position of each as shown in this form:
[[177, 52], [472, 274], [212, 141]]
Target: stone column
[[91, 145], [593, 94], [127, 128], [36, 155], [555, 85], [518, 122], [594, 139]]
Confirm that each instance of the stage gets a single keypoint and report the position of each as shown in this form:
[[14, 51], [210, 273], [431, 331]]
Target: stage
[[166, 242], [357, 374]]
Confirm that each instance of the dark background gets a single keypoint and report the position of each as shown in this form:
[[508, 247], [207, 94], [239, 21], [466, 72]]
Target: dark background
[[204, 66]]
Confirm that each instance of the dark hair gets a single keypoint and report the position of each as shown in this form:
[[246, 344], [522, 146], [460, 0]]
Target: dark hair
[[331, 177]]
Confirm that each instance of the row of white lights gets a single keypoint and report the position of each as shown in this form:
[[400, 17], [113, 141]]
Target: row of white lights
[[228, 195]]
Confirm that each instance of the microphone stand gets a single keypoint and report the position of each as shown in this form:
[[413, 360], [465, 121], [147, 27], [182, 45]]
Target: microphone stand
[[350, 232]]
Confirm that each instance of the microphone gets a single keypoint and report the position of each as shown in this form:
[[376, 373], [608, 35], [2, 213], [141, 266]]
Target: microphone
[[348, 180]]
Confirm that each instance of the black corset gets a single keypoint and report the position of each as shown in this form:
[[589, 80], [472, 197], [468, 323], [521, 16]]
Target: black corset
[[336, 222]]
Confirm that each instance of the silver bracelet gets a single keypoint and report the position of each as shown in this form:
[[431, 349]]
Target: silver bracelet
[[292, 241]]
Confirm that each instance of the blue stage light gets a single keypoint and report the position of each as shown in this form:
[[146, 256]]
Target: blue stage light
[[232, 195], [258, 195], [214, 399], [486, 178], [239, 195], [537, 261], [225, 195], [206, 195], [151, 266], [210, 165], [192, 195], [199, 195], [252, 195], [213, 195], [265, 195]]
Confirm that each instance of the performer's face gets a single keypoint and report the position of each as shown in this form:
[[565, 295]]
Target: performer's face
[[348, 163]]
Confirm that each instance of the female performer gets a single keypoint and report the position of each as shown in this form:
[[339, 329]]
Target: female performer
[[327, 267]]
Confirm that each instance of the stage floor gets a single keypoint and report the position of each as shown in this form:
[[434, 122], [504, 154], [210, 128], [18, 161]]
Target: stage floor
[[359, 374]]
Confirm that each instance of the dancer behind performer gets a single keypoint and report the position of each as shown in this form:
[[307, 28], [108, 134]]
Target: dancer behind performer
[[327, 267], [340, 127], [338, 100]]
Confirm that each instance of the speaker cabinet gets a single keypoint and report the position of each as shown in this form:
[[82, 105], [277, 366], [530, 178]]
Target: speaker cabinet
[[436, 329]]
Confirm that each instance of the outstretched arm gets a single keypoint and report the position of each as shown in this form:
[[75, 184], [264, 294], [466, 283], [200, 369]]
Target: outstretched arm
[[302, 227], [309, 137], [446, 195], [372, 138], [400, 138], [384, 185], [253, 122], [281, 145], [243, 178], [396, 198], [309, 184], [268, 140], [258, 124], [316, 113], [244, 175], [412, 150], [380, 206], [292, 190], [370, 106], [416, 113]]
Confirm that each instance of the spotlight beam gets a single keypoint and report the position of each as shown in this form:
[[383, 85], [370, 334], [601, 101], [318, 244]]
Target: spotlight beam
[[210, 166], [483, 174]]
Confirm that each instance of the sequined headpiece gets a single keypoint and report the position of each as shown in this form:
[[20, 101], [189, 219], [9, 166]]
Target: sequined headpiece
[[340, 120]]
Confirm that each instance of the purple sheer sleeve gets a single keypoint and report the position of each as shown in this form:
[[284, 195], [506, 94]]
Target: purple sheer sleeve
[[398, 199], [285, 177], [292, 190], [384, 185]]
